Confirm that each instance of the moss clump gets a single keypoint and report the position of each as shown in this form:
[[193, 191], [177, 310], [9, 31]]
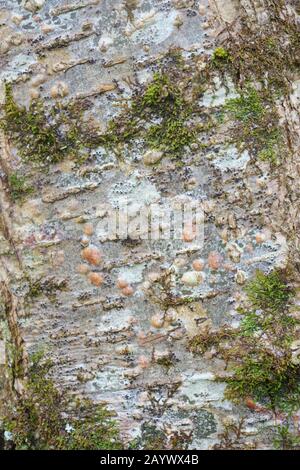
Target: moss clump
[[258, 352], [272, 146], [266, 54], [207, 339], [221, 56], [18, 186], [94, 430], [268, 292], [161, 96], [267, 372], [170, 136], [270, 380], [286, 439], [256, 122], [43, 137], [158, 116], [248, 107], [42, 420]]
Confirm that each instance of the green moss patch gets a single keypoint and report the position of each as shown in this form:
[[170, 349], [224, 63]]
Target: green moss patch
[[221, 57], [258, 352], [44, 418], [256, 123], [19, 188], [43, 137], [158, 116], [266, 55]]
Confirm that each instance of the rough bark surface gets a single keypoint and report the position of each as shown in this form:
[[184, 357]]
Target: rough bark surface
[[114, 348]]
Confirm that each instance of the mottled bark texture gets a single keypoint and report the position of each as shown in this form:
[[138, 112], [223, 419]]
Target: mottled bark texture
[[117, 327]]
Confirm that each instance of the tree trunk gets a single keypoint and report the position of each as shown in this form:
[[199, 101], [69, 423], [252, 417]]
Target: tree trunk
[[118, 329]]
